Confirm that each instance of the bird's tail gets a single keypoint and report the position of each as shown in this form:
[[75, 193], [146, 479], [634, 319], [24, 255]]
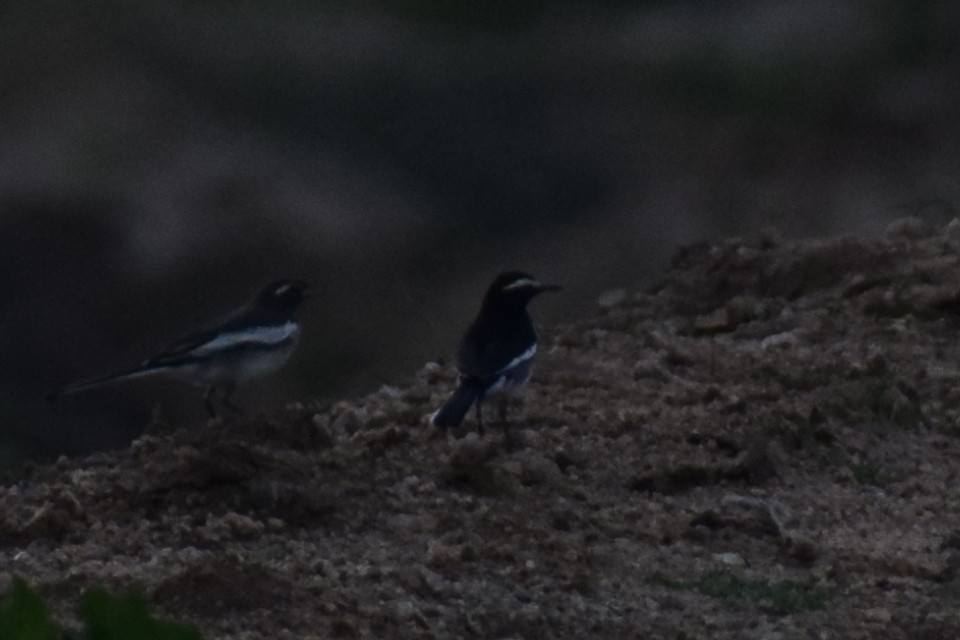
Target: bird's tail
[[92, 383], [455, 408]]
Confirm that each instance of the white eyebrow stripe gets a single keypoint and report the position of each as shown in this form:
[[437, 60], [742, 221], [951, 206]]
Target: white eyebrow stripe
[[522, 282], [520, 359], [265, 336]]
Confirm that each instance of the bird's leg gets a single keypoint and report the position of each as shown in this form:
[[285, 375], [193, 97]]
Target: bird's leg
[[509, 441], [480, 415], [208, 400], [228, 390]]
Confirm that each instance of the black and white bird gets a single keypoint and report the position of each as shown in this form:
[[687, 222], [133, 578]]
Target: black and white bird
[[256, 339], [496, 353]]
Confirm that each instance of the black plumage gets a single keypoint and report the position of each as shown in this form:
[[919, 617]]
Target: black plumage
[[254, 340], [497, 351]]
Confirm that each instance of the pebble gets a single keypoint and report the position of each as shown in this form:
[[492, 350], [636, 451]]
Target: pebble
[[909, 228], [612, 298], [878, 614], [717, 321], [730, 559]]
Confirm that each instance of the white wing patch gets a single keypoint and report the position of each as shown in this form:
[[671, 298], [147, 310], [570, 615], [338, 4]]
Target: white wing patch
[[266, 336], [282, 290], [520, 359]]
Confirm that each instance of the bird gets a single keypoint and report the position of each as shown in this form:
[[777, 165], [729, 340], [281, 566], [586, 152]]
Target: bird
[[254, 340], [496, 353]]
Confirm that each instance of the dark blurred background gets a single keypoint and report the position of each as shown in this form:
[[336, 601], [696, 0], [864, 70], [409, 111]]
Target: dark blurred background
[[160, 161]]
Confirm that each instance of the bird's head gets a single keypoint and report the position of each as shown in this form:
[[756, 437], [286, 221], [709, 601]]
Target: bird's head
[[516, 287]]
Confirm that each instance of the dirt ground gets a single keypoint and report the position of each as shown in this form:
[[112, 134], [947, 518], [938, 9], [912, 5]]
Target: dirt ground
[[765, 445]]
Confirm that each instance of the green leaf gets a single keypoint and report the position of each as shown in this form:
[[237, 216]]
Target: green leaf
[[23, 616], [122, 618]]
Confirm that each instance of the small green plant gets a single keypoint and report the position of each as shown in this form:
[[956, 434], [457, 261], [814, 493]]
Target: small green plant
[[24, 616], [786, 596], [116, 618], [893, 403], [869, 473], [951, 589]]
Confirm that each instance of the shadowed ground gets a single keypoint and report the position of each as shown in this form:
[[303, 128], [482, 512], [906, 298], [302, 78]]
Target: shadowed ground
[[765, 443]]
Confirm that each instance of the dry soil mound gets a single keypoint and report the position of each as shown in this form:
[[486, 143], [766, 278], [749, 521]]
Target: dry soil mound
[[763, 446]]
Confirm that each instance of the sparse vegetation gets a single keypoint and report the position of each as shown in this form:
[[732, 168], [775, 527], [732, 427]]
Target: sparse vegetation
[[893, 403], [870, 473], [785, 596], [24, 616]]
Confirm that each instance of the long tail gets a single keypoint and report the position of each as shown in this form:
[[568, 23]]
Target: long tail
[[455, 408], [117, 376]]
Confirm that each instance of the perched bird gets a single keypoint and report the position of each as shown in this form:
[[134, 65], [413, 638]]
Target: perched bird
[[254, 340], [496, 353]]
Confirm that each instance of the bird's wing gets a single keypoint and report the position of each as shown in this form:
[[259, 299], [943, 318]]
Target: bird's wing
[[236, 332], [489, 357], [185, 345]]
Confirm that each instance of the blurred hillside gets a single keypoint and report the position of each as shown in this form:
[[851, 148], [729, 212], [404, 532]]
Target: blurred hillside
[[160, 161]]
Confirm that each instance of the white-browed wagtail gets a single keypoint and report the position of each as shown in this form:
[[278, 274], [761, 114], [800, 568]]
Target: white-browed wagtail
[[254, 340], [496, 353]]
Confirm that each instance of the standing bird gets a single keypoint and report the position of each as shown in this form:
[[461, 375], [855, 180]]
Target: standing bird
[[254, 340], [496, 353]]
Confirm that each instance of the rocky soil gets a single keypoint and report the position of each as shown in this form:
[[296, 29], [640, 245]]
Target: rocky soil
[[765, 445]]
